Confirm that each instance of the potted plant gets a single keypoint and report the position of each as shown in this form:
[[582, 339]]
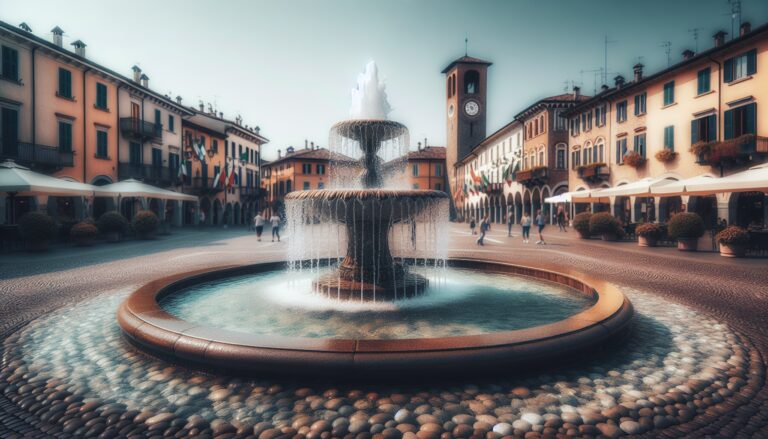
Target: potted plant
[[648, 234], [37, 230], [113, 225], [605, 225], [83, 233], [733, 241], [145, 224], [666, 155], [581, 224], [686, 228], [634, 159]]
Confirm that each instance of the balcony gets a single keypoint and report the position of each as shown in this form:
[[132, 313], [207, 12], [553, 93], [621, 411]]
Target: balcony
[[201, 185], [252, 193], [140, 130], [157, 175], [736, 151], [533, 177], [594, 172], [35, 155]]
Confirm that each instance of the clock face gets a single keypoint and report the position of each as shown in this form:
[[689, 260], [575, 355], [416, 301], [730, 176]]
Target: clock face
[[451, 110], [471, 108]]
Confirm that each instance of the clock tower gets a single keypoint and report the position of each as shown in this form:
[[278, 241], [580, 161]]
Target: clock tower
[[466, 98]]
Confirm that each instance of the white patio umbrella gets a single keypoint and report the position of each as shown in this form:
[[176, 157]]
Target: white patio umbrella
[[639, 188], [754, 179], [589, 196], [18, 180], [680, 187], [565, 197], [135, 188]]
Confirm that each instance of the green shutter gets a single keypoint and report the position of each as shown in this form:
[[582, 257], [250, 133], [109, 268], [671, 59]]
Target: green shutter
[[750, 117], [728, 121], [712, 127], [752, 62], [728, 70], [694, 131]]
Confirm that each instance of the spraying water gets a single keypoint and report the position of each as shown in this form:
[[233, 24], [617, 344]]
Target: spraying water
[[369, 100]]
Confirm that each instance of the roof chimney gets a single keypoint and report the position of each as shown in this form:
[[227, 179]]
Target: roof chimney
[[201, 106], [425, 142], [279, 154], [58, 35], [144, 80], [306, 144], [688, 54], [178, 100], [604, 87], [576, 91], [638, 69], [257, 129], [745, 28], [719, 38], [618, 81], [221, 115], [312, 144], [136, 73], [418, 146], [79, 48], [25, 27]]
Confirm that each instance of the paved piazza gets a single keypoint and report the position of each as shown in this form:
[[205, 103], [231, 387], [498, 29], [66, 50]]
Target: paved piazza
[[692, 366]]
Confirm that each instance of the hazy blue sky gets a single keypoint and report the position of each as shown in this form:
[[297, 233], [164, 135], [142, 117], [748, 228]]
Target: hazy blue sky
[[288, 66]]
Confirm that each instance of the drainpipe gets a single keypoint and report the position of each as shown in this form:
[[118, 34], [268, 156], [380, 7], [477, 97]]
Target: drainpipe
[[85, 128], [117, 124], [719, 103], [34, 112]]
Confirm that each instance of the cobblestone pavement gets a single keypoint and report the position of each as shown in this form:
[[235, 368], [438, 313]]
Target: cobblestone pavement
[[731, 291]]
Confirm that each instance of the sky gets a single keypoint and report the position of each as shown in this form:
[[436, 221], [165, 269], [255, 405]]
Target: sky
[[288, 66]]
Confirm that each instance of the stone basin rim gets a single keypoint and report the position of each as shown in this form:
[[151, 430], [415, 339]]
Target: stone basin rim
[[365, 194], [146, 325]]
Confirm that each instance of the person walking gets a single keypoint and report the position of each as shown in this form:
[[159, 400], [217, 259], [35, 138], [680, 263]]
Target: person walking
[[275, 221], [472, 225], [541, 221], [509, 224], [561, 218], [525, 221], [484, 225], [202, 218], [258, 224]]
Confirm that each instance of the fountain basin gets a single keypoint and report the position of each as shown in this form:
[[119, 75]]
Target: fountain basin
[[150, 327]]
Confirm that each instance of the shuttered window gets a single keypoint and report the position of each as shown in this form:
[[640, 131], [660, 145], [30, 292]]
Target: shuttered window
[[65, 83], [65, 136], [669, 137], [703, 81], [101, 96], [669, 93], [10, 63], [102, 144], [740, 121]]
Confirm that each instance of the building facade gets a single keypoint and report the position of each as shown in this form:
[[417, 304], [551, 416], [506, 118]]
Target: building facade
[[426, 168]]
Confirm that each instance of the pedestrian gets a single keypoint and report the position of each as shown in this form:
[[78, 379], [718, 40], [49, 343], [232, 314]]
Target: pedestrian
[[484, 225], [258, 224], [541, 221], [561, 218], [509, 224], [275, 221], [202, 217], [472, 225], [525, 221]]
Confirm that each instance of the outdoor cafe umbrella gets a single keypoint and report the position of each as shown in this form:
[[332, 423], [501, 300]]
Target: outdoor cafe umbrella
[[639, 188], [135, 188], [589, 196], [565, 197], [16, 179], [680, 187], [754, 179]]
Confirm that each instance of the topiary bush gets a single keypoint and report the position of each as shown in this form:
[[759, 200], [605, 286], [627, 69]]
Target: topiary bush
[[145, 224], [37, 230], [112, 222], [604, 223], [581, 224], [733, 235], [685, 225], [83, 233], [650, 231]]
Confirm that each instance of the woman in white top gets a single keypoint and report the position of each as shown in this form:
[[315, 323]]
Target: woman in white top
[[258, 223], [275, 220]]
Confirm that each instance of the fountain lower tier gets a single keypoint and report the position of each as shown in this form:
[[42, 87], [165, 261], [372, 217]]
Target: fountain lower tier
[[368, 271]]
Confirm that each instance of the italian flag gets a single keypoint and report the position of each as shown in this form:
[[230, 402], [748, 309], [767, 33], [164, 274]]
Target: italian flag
[[231, 176]]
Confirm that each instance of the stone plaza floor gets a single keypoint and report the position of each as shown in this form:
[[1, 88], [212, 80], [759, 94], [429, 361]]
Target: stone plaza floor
[[724, 299]]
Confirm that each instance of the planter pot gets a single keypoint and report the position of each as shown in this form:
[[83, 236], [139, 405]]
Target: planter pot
[[733, 250], [609, 237], [642, 241], [688, 244], [38, 247], [112, 237]]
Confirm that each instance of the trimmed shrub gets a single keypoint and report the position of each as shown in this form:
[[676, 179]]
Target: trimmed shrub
[[145, 223], [83, 232], [603, 223], [649, 231], [733, 235], [37, 228], [685, 225], [112, 222], [581, 223]]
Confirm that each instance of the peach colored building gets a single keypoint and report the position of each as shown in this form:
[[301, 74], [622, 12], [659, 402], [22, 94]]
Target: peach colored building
[[426, 168], [699, 116], [205, 157]]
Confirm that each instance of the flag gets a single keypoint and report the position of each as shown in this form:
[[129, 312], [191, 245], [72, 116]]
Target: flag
[[183, 167], [244, 156], [465, 189], [475, 178], [217, 178], [231, 176], [484, 181], [201, 151]]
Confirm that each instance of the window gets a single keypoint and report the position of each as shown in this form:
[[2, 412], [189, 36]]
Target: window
[[621, 150], [171, 123], [65, 136], [102, 144], [9, 131], [173, 164], [586, 155], [288, 186], [575, 159], [321, 185], [640, 144], [621, 111], [305, 186], [704, 129], [740, 66], [541, 158], [600, 116], [415, 186], [65, 83], [306, 168], [669, 137], [134, 154], [599, 153], [471, 82], [438, 187], [101, 96], [158, 120], [740, 121], [10, 63], [703, 81], [669, 93], [214, 145], [575, 126], [640, 103], [321, 169], [415, 170], [560, 158], [157, 157]]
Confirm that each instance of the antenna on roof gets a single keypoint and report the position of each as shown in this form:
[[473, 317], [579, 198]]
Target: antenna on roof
[[466, 46], [668, 46], [695, 33], [735, 16], [605, 65]]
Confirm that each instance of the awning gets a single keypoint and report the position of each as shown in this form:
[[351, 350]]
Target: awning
[[589, 196], [565, 197], [21, 181], [639, 188], [680, 187], [754, 179], [135, 188]]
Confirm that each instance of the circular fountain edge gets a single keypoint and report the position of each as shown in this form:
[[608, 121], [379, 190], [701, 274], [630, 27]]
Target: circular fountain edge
[[148, 326]]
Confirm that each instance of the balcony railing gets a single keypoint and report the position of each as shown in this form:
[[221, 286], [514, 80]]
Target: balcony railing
[[201, 185], [533, 177], [594, 172], [139, 129], [252, 192], [730, 152], [36, 155], [158, 175]]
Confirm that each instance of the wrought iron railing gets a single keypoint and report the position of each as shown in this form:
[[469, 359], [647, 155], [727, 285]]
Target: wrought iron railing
[[139, 129], [34, 154]]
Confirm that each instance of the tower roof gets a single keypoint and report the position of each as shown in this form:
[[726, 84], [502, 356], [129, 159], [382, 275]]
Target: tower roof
[[466, 60]]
